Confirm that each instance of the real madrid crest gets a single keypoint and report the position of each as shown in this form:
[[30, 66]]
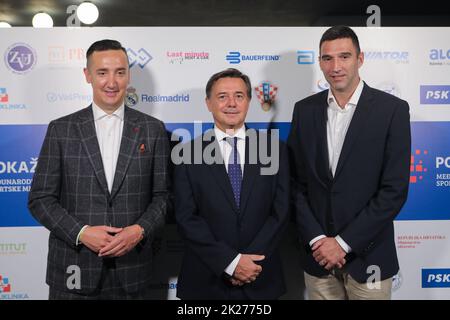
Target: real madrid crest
[[131, 98]]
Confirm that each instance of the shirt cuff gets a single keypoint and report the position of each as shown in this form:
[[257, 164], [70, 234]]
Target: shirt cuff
[[343, 244], [77, 242], [316, 239], [230, 269]]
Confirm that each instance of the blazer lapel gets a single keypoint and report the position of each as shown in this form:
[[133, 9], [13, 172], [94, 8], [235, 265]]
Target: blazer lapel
[[322, 160], [358, 122], [221, 176], [251, 170], [89, 140], [128, 147]]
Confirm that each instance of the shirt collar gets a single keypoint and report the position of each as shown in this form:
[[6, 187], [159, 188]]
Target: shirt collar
[[220, 135], [99, 113], [353, 100]]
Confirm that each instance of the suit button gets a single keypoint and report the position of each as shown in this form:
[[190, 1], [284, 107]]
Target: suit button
[[110, 204]]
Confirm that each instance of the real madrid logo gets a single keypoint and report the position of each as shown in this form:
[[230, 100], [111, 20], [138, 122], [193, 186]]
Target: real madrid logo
[[266, 94], [131, 99]]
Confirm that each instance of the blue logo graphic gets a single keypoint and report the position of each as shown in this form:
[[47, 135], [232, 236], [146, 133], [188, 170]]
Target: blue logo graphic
[[439, 54], [3, 95], [435, 278], [141, 57], [305, 57], [20, 58], [434, 94], [234, 57], [387, 55], [19, 149]]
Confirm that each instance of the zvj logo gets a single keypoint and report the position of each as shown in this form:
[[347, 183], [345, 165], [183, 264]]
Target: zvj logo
[[20, 58], [141, 57]]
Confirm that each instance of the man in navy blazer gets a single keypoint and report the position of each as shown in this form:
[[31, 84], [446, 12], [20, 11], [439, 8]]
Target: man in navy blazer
[[231, 213], [350, 151]]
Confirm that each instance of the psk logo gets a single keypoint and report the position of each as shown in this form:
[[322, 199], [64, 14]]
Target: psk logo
[[141, 57], [20, 58], [322, 85], [305, 57], [266, 94], [5, 286], [234, 57], [417, 168], [131, 98], [3, 95]]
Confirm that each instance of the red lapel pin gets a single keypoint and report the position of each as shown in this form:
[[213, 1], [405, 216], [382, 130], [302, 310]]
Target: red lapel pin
[[142, 148]]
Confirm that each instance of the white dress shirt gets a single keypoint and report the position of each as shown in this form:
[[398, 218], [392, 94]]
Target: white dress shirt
[[226, 149], [337, 126], [109, 129]]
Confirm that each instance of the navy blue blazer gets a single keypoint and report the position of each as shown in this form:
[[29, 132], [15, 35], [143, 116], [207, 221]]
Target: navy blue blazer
[[368, 189], [215, 230]]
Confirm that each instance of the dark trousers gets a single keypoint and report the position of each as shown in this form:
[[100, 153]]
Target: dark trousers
[[109, 288]]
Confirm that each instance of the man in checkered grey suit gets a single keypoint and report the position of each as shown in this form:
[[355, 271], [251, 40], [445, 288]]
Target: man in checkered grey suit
[[100, 187]]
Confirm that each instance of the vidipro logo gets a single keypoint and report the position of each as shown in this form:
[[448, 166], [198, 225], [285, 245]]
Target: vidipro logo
[[435, 278]]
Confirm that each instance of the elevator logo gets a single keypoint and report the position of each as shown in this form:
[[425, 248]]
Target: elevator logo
[[417, 168], [435, 278], [398, 57], [20, 58]]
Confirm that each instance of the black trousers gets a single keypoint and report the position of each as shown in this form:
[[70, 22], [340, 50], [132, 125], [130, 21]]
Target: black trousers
[[109, 288]]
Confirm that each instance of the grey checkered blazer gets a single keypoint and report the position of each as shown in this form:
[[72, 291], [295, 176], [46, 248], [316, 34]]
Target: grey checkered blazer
[[69, 190]]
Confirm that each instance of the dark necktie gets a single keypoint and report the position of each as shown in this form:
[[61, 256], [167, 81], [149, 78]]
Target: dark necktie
[[234, 170]]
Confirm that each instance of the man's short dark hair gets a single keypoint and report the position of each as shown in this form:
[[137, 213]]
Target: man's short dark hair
[[340, 32], [229, 73], [104, 45]]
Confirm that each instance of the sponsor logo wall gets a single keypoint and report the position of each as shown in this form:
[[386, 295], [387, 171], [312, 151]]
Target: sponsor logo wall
[[42, 79]]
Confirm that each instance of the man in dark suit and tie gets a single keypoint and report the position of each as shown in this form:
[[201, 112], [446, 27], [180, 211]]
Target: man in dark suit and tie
[[350, 152], [230, 213], [100, 187]]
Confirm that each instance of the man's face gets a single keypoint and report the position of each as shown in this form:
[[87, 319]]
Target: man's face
[[228, 103], [109, 75], [339, 63]]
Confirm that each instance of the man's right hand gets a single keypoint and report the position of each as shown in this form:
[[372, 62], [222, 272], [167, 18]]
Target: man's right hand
[[247, 270], [95, 238]]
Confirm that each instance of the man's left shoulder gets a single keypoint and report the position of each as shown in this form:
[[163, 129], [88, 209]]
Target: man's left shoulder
[[387, 98], [145, 119]]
